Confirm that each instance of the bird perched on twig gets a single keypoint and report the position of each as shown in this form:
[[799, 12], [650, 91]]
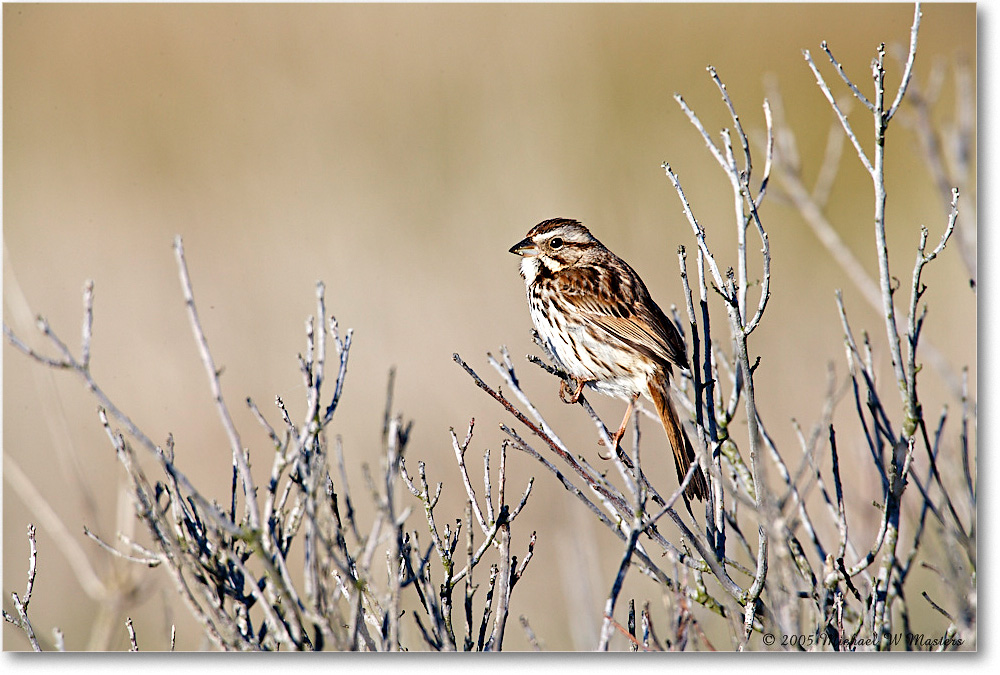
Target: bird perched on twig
[[598, 320]]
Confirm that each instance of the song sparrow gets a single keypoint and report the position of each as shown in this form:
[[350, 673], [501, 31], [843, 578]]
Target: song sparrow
[[599, 322]]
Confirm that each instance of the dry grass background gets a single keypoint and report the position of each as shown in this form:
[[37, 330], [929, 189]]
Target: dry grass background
[[396, 152]]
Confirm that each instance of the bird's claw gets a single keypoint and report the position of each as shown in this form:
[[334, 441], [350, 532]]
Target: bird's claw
[[567, 396], [616, 443]]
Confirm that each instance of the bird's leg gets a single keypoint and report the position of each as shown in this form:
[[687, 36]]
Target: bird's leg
[[573, 396], [617, 437]]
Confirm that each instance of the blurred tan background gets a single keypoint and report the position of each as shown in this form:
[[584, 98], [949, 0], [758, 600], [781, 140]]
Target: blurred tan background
[[396, 153]]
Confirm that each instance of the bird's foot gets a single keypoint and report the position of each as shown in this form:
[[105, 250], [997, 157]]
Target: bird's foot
[[615, 443], [568, 396]]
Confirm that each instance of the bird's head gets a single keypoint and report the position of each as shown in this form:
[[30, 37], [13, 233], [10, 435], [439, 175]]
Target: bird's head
[[554, 245]]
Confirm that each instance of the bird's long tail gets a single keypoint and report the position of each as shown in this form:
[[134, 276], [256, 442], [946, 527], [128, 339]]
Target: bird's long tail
[[683, 452]]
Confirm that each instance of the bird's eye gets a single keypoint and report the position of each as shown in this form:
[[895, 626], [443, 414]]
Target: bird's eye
[[556, 242]]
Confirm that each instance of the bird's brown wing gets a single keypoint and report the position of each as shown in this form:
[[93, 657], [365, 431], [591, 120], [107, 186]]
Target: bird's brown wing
[[616, 301]]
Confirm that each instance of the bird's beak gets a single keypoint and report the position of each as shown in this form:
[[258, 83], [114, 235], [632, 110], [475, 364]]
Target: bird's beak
[[526, 247]]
